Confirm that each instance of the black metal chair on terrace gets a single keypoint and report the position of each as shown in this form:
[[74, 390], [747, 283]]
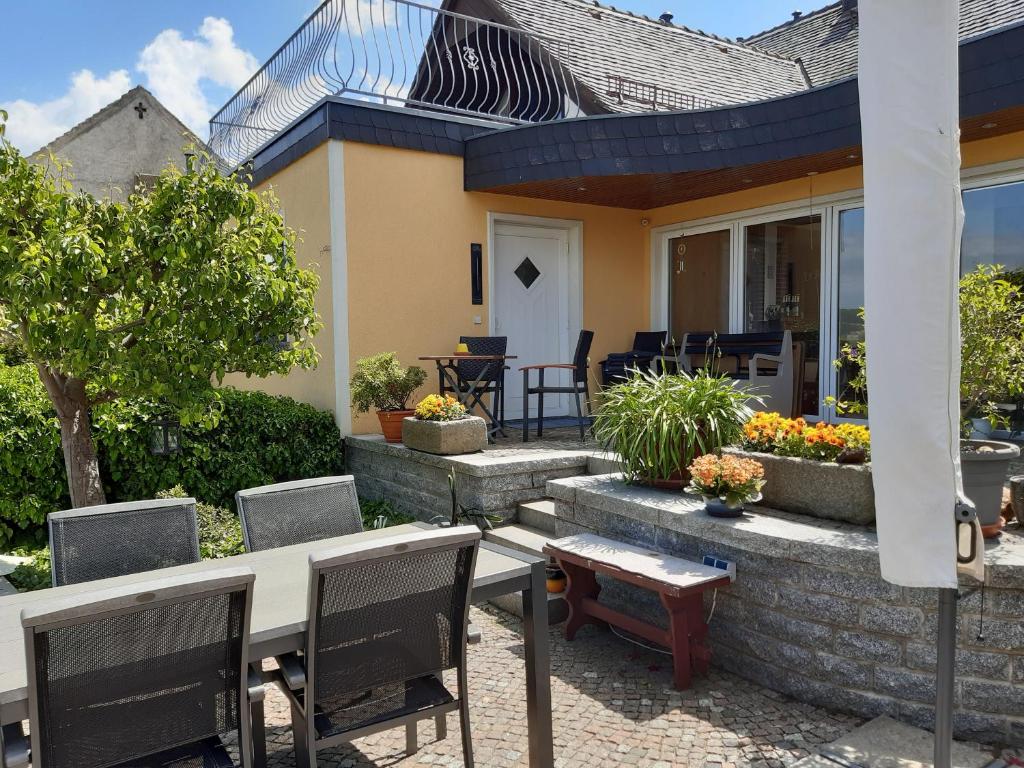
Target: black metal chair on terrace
[[298, 512], [386, 618], [618, 366], [116, 539], [143, 675], [484, 377], [579, 385]]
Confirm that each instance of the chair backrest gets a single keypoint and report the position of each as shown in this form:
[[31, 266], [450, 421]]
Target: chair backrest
[[579, 360], [298, 512], [125, 672], [470, 370], [386, 611], [116, 539], [649, 341]]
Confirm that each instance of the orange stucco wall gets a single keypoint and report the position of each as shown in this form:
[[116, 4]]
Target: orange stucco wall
[[409, 228], [302, 191]]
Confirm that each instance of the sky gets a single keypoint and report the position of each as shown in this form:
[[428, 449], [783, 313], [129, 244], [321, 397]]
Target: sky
[[73, 57]]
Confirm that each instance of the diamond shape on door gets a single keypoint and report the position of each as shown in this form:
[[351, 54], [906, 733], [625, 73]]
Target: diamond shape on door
[[527, 272]]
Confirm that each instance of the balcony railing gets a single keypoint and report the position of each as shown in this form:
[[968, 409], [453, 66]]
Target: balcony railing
[[402, 53], [655, 97]]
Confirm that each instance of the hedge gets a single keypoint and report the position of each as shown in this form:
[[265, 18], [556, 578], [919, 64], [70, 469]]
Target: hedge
[[258, 439]]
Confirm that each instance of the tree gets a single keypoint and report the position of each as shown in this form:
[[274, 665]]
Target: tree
[[156, 298]]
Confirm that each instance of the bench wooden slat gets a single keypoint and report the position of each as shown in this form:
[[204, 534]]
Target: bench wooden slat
[[655, 566]]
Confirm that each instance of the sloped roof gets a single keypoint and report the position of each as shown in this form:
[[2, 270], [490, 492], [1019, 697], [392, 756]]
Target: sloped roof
[[825, 41], [603, 41]]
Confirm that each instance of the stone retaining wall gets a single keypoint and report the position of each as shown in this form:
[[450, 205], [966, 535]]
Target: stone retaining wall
[[493, 481], [810, 616]]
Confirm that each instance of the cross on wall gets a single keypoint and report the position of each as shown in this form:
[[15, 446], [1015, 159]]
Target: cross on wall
[[140, 109]]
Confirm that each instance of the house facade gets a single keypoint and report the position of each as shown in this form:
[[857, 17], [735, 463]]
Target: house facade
[[128, 142], [719, 191]]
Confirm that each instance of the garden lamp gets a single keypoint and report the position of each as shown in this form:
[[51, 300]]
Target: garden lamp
[[164, 436]]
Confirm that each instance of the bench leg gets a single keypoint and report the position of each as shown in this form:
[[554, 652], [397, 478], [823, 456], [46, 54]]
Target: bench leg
[[686, 632], [581, 583]]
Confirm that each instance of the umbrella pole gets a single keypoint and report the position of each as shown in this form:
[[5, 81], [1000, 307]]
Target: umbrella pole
[[945, 668]]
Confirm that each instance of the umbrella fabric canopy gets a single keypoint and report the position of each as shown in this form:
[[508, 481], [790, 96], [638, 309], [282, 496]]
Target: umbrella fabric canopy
[[913, 216]]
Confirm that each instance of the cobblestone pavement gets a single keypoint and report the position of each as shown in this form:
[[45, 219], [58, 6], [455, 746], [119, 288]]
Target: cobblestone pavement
[[613, 705]]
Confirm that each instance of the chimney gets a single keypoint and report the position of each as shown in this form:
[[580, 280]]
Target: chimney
[[797, 15], [666, 17]]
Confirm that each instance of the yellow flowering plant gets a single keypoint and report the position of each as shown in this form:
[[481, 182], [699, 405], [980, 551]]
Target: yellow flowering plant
[[772, 433], [440, 408], [733, 479]]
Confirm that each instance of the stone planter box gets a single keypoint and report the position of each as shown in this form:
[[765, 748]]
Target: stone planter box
[[445, 438], [821, 489]]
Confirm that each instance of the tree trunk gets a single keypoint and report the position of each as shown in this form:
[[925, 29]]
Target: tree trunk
[[80, 460]]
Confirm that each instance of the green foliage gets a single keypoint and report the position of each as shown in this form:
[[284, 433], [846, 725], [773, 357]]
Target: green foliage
[[220, 531], [991, 347], [32, 480], [257, 439], [379, 513], [380, 382], [658, 423], [35, 574]]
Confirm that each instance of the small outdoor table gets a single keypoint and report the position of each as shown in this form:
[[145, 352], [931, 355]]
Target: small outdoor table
[[473, 393], [278, 623], [679, 583]]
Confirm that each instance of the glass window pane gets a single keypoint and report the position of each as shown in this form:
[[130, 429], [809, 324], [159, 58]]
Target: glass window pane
[[699, 283], [851, 290], [993, 227], [782, 287]]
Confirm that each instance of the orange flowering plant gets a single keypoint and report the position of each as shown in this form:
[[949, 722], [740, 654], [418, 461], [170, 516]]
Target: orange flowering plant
[[733, 479], [771, 433], [438, 408]]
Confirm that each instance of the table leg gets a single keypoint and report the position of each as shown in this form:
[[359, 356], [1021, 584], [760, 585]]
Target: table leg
[[679, 615], [538, 669], [581, 584]]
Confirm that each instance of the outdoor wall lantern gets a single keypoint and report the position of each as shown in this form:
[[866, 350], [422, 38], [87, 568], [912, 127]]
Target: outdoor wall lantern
[[164, 437]]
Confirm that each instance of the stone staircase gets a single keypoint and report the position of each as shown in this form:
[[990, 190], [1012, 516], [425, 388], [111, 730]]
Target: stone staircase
[[534, 527]]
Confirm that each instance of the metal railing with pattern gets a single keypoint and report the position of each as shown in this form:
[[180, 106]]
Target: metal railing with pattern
[[654, 96], [402, 53]]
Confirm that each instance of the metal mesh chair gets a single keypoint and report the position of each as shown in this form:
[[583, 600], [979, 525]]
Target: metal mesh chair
[[580, 367], [298, 512], [116, 539], [385, 620], [147, 674], [489, 376]]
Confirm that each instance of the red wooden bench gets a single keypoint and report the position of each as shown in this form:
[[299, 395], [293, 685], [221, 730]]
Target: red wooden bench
[[679, 583]]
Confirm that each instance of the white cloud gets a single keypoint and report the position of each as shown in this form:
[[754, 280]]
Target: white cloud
[[34, 124], [176, 67]]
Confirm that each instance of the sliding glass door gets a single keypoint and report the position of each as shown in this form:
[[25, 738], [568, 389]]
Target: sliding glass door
[[699, 283]]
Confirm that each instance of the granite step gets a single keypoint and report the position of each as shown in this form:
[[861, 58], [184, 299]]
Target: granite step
[[538, 514], [529, 541]]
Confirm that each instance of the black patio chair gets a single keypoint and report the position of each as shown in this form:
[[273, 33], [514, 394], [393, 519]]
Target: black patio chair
[[298, 512], [116, 539], [489, 377], [149, 674], [386, 618], [646, 346], [579, 386]]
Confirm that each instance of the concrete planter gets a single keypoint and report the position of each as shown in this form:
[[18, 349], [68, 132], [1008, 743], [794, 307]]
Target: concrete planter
[[984, 465], [817, 488], [445, 438]]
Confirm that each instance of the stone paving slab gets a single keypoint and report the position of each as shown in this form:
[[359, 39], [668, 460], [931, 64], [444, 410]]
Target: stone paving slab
[[613, 705]]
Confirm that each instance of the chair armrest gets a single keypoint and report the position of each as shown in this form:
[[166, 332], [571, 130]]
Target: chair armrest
[[256, 689], [569, 366], [14, 747], [755, 360], [293, 671]]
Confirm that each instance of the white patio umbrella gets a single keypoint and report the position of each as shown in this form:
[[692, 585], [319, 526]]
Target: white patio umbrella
[[913, 216]]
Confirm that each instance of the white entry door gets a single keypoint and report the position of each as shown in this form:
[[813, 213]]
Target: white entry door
[[531, 308]]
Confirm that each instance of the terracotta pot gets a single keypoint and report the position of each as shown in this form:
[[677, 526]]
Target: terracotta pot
[[676, 482], [391, 424]]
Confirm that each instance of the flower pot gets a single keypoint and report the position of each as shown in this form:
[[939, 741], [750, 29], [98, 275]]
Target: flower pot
[[391, 424], [445, 438], [984, 464], [675, 482], [556, 580], [720, 508], [821, 489]]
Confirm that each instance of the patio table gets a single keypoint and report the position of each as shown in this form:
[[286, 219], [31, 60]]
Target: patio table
[[279, 617], [447, 371]]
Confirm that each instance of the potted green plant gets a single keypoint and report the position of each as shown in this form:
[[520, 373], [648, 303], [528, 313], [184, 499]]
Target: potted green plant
[[658, 423], [991, 370], [440, 425], [382, 383]]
